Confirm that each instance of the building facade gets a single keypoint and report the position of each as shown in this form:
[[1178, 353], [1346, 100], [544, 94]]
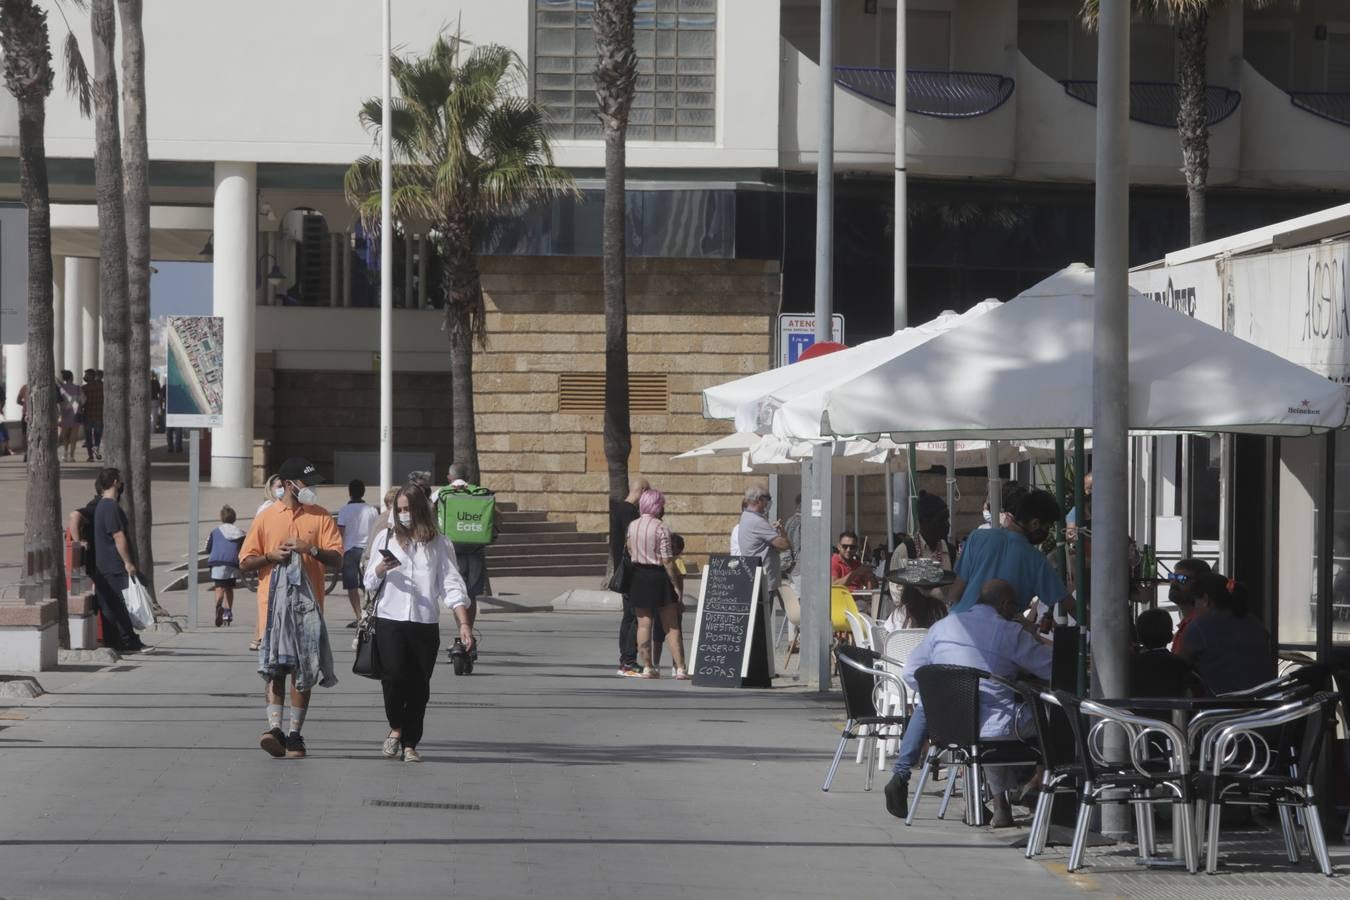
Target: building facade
[[252, 123]]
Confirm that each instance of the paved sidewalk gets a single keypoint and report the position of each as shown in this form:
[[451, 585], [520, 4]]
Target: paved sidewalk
[[545, 775]]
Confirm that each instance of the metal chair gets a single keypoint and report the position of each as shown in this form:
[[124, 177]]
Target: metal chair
[[860, 675], [896, 646], [951, 703], [1062, 773], [1157, 760], [1268, 757]]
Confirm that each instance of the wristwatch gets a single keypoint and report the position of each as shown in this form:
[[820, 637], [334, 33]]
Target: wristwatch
[[313, 551]]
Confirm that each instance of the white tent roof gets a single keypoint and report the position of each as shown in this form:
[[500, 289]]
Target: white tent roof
[[1025, 370], [860, 457], [730, 445], [749, 400]]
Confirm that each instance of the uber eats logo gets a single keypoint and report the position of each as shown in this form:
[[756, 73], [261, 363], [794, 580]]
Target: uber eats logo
[[469, 522]]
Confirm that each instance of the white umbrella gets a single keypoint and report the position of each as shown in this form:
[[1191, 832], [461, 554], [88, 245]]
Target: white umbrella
[[730, 445], [773, 455], [744, 398], [1025, 370]]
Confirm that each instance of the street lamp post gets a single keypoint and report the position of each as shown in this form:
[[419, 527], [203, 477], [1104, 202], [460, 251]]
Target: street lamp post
[[386, 268]]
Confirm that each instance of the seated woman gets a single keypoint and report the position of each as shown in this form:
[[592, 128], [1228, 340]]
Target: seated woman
[[1228, 646]]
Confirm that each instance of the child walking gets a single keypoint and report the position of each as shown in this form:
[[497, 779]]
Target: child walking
[[659, 633], [222, 555]]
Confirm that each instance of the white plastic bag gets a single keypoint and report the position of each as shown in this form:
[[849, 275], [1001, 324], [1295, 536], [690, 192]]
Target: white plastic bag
[[137, 599]]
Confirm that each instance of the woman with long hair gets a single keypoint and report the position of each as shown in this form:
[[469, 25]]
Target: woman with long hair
[[70, 399], [412, 573], [656, 584]]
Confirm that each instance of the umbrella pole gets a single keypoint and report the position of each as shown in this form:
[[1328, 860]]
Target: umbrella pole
[[1080, 577], [857, 520], [1061, 553], [912, 456], [995, 485], [951, 493], [890, 511]]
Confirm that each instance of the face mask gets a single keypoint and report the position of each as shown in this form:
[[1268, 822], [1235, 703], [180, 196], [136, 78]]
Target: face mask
[[988, 516], [306, 495], [405, 519], [279, 492]]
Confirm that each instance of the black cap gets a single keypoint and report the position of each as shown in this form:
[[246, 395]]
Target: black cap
[[299, 469]]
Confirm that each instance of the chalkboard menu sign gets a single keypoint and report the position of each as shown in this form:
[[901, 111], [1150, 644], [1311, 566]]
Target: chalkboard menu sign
[[731, 630]]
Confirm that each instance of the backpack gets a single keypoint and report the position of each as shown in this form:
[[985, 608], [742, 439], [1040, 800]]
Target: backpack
[[467, 515]]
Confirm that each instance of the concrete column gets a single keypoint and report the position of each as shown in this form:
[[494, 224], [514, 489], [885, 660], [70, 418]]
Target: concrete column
[[90, 326], [101, 351], [408, 295], [422, 272], [16, 376], [59, 312], [334, 273], [81, 300], [235, 225]]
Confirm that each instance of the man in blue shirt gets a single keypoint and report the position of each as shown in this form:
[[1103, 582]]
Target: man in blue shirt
[[1010, 555]]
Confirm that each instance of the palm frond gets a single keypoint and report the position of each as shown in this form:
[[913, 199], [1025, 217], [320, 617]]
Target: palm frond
[[78, 83]]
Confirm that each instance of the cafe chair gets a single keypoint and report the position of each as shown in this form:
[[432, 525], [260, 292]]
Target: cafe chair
[[841, 603], [896, 646], [861, 676], [857, 626], [1268, 757], [951, 703], [1157, 770], [1061, 772], [792, 609]]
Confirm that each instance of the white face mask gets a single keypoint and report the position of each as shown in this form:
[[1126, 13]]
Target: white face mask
[[306, 495], [987, 516], [405, 519], [279, 492]]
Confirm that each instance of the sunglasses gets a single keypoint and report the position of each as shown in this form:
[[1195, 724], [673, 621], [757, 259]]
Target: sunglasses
[[848, 546], [1178, 577]]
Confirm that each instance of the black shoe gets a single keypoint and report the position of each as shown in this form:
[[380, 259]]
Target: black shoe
[[137, 647], [351, 624], [274, 742], [897, 796], [295, 746]]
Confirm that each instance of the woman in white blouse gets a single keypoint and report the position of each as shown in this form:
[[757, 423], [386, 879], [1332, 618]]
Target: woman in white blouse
[[420, 578]]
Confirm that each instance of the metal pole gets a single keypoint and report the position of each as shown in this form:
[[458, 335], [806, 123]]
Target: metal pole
[[912, 455], [995, 485], [1061, 554], [386, 269], [857, 518], [1227, 464], [1110, 374], [890, 511], [1082, 589], [815, 593], [1187, 473], [194, 520], [951, 493], [901, 228], [1326, 549]]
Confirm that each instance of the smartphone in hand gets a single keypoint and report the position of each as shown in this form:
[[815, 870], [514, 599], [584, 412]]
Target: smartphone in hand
[[389, 559]]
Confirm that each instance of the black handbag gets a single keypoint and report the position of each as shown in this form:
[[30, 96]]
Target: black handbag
[[622, 579], [367, 662]]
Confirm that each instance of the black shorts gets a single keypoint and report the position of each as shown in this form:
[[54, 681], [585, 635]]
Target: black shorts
[[351, 568], [226, 582]]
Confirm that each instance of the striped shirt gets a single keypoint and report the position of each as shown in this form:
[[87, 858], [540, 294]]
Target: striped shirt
[[649, 541]]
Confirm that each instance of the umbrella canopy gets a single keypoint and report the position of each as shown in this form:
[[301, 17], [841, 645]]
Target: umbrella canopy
[[773, 455], [744, 398], [1025, 370], [731, 445]]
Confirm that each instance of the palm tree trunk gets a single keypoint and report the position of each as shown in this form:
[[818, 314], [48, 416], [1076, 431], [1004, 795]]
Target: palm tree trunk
[[43, 546], [618, 425], [136, 169], [1192, 114], [464, 296], [112, 235]]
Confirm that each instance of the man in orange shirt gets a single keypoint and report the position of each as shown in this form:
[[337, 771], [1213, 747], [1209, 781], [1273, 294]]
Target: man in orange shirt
[[293, 525]]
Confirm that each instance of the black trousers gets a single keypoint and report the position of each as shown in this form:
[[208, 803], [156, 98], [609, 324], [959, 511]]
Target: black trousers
[[407, 654], [628, 634], [118, 632]]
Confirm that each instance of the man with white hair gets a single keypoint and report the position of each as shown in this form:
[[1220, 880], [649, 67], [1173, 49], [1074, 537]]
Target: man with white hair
[[756, 536]]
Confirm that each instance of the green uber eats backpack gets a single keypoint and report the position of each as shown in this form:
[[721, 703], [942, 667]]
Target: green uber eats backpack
[[466, 515]]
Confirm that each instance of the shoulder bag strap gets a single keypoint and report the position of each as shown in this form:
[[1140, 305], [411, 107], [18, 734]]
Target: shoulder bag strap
[[379, 591]]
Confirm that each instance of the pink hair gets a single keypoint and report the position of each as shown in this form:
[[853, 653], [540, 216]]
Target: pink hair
[[652, 503]]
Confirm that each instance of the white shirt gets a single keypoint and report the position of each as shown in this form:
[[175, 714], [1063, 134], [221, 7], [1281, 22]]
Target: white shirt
[[426, 579], [355, 520], [736, 540]]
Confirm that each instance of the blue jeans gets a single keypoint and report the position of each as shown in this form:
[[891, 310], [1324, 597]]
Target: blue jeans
[[911, 744]]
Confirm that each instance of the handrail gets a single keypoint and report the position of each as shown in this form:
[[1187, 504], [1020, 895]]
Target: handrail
[[1156, 102], [936, 93], [1334, 106]]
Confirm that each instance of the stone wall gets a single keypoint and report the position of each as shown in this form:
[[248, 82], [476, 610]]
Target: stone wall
[[700, 322]]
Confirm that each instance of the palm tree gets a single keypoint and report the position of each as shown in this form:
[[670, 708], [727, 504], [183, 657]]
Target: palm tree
[[28, 74], [468, 151], [136, 199], [615, 79], [112, 235], [1190, 18]]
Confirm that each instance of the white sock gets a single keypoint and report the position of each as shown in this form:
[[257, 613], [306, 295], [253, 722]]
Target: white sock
[[297, 718], [274, 715]]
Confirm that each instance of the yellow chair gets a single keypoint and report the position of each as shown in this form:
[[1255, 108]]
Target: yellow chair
[[841, 601]]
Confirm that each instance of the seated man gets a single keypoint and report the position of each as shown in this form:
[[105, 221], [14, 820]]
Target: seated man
[[1154, 671], [846, 566], [988, 636]]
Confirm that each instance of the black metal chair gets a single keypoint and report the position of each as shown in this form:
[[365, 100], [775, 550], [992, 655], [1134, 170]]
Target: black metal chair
[[1157, 761], [1268, 757], [951, 704], [860, 675], [1062, 773]]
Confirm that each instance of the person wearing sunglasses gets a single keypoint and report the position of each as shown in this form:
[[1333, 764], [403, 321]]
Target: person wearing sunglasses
[[1181, 591], [846, 566]]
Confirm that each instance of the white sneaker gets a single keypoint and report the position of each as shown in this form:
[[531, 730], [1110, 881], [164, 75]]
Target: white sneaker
[[356, 642]]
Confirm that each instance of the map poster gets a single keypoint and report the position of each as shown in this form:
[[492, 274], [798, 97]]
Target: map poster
[[196, 357]]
